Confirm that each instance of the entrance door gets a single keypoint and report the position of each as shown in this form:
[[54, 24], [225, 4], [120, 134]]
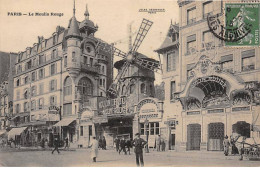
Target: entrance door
[[216, 136], [172, 142], [193, 136], [242, 128]]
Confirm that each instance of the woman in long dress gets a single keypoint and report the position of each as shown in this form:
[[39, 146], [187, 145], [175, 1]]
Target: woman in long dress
[[94, 149]]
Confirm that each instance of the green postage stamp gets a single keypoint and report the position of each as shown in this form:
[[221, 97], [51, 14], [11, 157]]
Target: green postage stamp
[[243, 19]]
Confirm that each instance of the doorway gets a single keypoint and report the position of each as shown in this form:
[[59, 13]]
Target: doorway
[[193, 136], [215, 136]]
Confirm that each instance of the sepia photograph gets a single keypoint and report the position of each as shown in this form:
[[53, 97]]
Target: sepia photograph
[[129, 83]]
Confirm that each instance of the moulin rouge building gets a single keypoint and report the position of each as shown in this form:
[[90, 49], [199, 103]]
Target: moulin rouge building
[[58, 82]]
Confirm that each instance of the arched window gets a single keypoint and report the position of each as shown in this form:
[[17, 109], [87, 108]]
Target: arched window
[[142, 88], [85, 87], [132, 88], [67, 86]]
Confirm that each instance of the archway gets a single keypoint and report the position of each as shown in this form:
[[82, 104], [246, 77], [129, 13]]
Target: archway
[[193, 136], [242, 128], [215, 136]]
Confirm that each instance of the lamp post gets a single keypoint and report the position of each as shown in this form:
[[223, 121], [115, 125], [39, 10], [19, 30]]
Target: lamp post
[[146, 122]]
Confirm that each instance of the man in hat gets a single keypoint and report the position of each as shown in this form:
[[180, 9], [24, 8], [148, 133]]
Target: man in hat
[[226, 145], [139, 143], [94, 149], [56, 146]]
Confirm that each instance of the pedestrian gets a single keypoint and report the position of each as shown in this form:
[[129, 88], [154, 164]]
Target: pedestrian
[[56, 146], [158, 143], [128, 145], [226, 145], [104, 143], [122, 145], [117, 142], [234, 149], [100, 143], [66, 143], [163, 144], [139, 143], [94, 149]]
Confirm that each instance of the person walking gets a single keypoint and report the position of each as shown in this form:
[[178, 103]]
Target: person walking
[[66, 143], [56, 146], [100, 142], [226, 145], [94, 149], [117, 142], [139, 143], [158, 143], [122, 145], [104, 143], [128, 145], [163, 144]]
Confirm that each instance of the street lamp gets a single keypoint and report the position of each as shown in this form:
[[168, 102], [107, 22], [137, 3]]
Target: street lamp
[[146, 122]]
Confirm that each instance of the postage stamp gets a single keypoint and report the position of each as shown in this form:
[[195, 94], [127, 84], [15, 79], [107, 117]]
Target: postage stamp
[[243, 20]]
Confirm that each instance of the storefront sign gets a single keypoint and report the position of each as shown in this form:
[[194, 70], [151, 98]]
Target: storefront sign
[[208, 79], [148, 109], [101, 119], [54, 110]]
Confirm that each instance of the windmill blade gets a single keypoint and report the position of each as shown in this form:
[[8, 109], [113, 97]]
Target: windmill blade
[[118, 52], [145, 63], [113, 87], [143, 30]]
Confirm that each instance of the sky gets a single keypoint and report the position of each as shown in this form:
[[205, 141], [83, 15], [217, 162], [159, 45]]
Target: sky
[[111, 16]]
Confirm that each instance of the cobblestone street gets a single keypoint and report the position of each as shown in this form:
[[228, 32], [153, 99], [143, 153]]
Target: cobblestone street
[[81, 157]]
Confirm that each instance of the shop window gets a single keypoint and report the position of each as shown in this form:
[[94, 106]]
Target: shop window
[[191, 15], [142, 128], [81, 130], [67, 109], [142, 88], [248, 60], [67, 86], [207, 8]]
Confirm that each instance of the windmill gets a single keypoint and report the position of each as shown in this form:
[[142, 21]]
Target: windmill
[[132, 57]]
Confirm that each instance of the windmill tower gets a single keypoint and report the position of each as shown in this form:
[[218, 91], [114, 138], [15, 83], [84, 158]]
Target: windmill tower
[[135, 78]]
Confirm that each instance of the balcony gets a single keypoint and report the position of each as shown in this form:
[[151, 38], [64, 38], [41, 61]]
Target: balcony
[[89, 68]]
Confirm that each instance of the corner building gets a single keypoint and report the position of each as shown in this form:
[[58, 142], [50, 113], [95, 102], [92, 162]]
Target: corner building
[[58, 82], [214, 90]]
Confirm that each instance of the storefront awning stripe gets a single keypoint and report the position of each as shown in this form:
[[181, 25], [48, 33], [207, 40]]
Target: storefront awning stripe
[[15, 131], [65, 122]]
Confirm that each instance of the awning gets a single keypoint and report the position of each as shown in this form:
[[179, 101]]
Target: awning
[[65, 122], [15, 131]]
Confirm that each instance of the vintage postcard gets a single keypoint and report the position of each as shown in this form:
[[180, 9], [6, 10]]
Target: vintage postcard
[[129, 83]]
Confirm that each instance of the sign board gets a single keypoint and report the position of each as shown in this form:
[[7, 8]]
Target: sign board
[[100, 119], [54, 110]]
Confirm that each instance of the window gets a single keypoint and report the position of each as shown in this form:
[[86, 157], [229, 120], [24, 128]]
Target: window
[[157, 128], [152, 90], [152, 128], [17, 108], [53, 101], [132, 88], [42, 59], [91, 61], [26, 94], [227, 63], [142, 88], [67, 86], [100, 82], [207, 8], [81, 130], [41, 103], [104, 82], [26, 79], [103, 69], [33, 76], [41, 73], [86, 88], [18, 82], [17, 95], [41, 88], [53, 85], [142, 128], [53, 69], [33, 91], [29, 64], [171, 61], [173, 90], [191, 44], [191, 15], [65, 61], [33, 105], [123, 90], [54, 40], [54, 54], [85, 60], [35, 62], [67, 109], [19, 69], [248, 60], [26, 106], [73, 56]]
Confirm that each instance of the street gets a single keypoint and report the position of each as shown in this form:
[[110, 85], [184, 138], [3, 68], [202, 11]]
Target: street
[[110, 158]]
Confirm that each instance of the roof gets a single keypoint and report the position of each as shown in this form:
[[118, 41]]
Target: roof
[[73, 30]]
